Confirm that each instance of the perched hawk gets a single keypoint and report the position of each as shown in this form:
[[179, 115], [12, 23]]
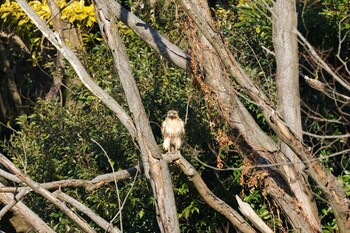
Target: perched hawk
[[173, 130]]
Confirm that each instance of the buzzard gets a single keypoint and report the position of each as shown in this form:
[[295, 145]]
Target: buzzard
[[173, 130]]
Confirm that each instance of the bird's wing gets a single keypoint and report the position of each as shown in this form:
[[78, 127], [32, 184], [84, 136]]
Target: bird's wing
[[164, 126]]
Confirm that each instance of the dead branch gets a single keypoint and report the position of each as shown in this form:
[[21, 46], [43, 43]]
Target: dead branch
[[15, 200], [155, 40], [9, 176], [89, 185], [108, 227], [321, 62], [59, 43], [154, 166], [329, 184], [248, 211], [38, 189], [323, 88], [211, 199], [27, 214]]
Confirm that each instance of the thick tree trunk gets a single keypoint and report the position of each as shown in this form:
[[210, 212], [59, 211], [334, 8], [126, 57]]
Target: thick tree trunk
[[234, 112], [326, 181], [73, 38], [58, 74], [287, 78], [240, 120], [246, 133], [155, 167]]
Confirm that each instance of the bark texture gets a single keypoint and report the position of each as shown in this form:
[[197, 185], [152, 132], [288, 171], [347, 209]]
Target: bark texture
[[58, 74], [212, 200], [252, 139], [84, 76], [139, 130], [46, 194], [24, 219], [246, 133], [154, 39], [154, 166], [326, 181], [287, 79]]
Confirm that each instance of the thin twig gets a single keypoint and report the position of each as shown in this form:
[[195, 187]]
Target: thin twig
[[108, 227], [116, 187], [272, 164]]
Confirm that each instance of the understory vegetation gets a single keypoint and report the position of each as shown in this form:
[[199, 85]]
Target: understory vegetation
[[73, 135]]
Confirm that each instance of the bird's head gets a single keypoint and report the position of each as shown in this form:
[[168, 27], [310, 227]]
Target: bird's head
[[172, 114]]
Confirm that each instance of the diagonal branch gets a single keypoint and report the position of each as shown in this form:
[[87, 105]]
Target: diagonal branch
[[211, 199], [155, 40], [26, 214], [329, 184], [43, 192], [248, 211], [155, 168], [108, 227], [321, 62], [15, 200], [86, 79]]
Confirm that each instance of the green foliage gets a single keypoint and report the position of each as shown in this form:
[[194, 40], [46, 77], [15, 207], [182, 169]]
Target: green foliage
[[55, 142], [58, 141], [326, 23], [337, 12], [59, 136]]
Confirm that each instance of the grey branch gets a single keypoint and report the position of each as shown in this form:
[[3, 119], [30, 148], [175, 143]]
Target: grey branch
[[27, 214], [46, 194], [89, 185], [84, 76], [248, 211], [155, 40], [213, 201], [322, 63], [108, 227]]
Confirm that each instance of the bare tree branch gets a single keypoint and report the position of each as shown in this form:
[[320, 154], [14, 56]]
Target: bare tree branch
[[326, 181], [326, 90], [108, 227], [213, 201], [342, 136], [321, 62], [38, 189], [155, 40], [154, 166], [26, 214], [248, 211], [15, 200], [59, 43], [9, 176], [89, 185]]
